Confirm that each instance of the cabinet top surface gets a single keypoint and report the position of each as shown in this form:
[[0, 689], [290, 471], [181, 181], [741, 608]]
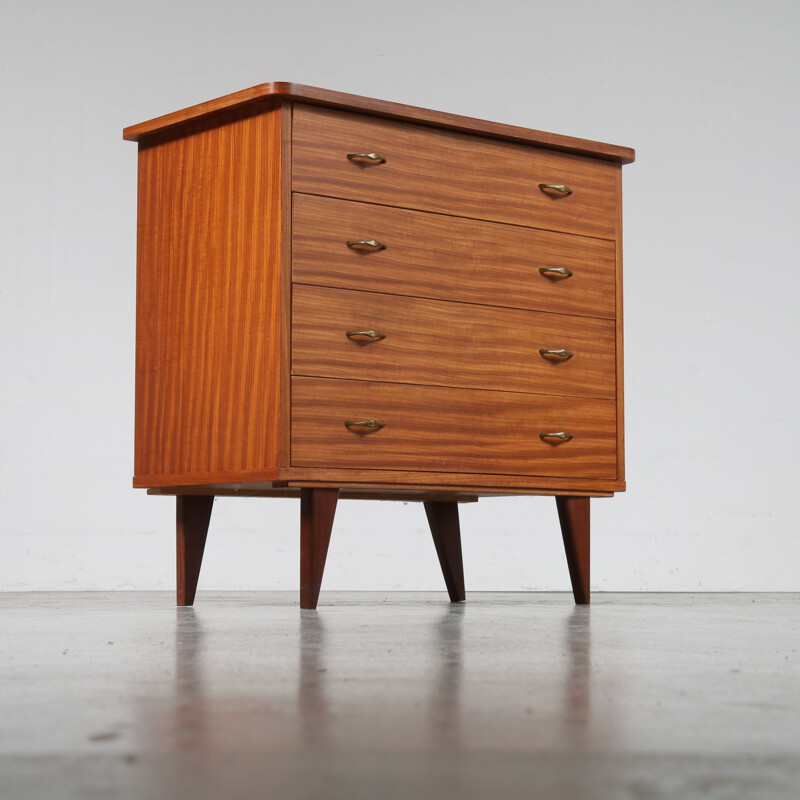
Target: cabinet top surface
[[282, 91]]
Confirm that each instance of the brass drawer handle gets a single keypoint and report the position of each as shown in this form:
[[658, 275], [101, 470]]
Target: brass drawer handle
[[559, 188], [370, 424], [370, 158], [556, 438], [370, 245], [373, 336], [556, 272], [560, 355]]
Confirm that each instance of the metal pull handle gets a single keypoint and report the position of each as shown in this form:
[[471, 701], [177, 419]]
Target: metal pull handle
[[370, 245], [369, 424], [560, 355], [373, 336], [556, 438], [556, 272], [559, 188], [370, 158]]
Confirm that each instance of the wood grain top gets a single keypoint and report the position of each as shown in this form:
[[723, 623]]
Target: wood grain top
[[281, 90]]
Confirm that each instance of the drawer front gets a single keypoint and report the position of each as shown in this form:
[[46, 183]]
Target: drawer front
[[449, 430], [449, 258], [449, 344], [451, 173]]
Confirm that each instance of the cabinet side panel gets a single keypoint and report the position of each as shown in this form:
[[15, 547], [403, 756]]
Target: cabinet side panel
[[286, 279], [619, 322], [208, 299]]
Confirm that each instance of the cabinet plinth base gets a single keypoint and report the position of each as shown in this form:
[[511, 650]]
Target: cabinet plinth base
[[317, 511]]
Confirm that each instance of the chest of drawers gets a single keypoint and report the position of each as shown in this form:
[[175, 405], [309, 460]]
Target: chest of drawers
[[342, 297]]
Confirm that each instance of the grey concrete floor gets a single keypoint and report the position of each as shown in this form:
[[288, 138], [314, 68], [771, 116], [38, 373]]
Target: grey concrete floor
[[384, 696]]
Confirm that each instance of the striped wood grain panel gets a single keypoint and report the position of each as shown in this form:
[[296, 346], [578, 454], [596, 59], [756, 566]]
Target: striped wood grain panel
[[449, 344], [450, 430], [619, 333], [208, 301], [450, 173], [449, 258]]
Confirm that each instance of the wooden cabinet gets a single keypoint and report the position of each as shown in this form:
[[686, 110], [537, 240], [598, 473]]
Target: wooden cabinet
[[339, 296]]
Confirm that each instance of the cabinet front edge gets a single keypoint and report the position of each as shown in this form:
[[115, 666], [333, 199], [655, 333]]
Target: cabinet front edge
[[309, 94]]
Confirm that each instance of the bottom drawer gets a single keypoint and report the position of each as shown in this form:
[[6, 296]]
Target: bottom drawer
[[450, 430]]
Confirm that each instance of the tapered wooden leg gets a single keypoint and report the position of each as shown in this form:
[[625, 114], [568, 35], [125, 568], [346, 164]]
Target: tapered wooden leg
[[443, 521], [193, 516], [317, 509], [573, 513]]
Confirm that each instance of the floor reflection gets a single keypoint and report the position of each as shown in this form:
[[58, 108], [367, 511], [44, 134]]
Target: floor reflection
[[438, 678], [445, 699], [431, 712], [395, 697], [312, 697], [190, 703], [577, 678]]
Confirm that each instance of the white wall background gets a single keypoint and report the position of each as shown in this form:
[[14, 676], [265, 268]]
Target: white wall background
[[707, 92]]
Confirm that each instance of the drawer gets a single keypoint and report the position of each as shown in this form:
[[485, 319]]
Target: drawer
[[442, 343], [449, 430], [449, 258], [451, 173]]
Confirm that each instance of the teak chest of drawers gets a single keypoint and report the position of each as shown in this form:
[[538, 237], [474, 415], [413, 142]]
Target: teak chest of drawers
[[339, 296]]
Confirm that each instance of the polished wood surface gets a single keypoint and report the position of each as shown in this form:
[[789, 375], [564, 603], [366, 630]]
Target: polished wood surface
[[446, 532], [260, 490], [208, 301], [450, 173], [449, 258], [317, 510], [207, 478], [449, 430], [618, 316], [449, 344], [256, 96], [416, 486], [481, 484], [193, 515], [573, 514], [246, 288], [285, 278]]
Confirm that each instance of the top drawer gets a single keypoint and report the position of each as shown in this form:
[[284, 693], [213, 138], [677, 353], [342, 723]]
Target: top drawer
[[451, 173]]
